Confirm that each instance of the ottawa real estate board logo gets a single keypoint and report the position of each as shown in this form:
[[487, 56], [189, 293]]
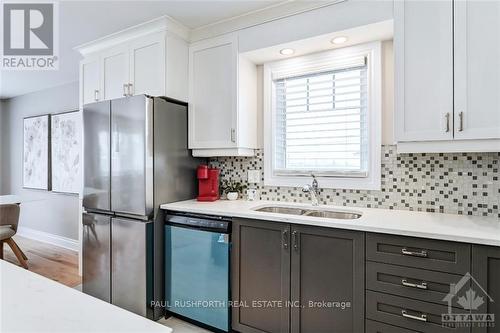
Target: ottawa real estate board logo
[[467, 305], [30, 39]]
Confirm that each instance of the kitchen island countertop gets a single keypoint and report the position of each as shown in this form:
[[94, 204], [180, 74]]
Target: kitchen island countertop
[[32, 303], [451, 227]]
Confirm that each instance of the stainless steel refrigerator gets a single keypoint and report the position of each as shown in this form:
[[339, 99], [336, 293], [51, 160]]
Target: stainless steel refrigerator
[[136, 157]]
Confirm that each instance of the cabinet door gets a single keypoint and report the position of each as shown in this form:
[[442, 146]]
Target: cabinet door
[[260, 276], [115, 70], [212, 93], [147, 66], [90, 90], [423, 52], [327, 266], [477, 69], [486, 271]]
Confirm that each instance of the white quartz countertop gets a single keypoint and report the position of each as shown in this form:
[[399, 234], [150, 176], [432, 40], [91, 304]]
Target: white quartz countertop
[[459, 228], [32, 303], [10, 199]]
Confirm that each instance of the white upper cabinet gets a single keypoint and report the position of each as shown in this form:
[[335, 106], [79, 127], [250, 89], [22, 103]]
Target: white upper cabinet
[[151, 58], [477, 69], [90, 72], [147, 66], [222, 99], [423, 46], [115, 66], [447, 72], [213, 76]]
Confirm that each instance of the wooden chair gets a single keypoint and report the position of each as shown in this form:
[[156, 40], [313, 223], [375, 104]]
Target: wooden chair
[[9, 218]]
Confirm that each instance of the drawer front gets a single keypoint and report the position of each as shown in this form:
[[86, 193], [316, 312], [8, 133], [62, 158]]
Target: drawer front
[[415, 283], [376, 327], [430, 254], [408, 313]]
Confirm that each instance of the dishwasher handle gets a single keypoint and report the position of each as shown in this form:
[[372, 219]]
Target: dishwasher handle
[[195, 222]]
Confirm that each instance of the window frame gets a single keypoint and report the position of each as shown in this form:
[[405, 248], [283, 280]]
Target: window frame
[[314, 62]]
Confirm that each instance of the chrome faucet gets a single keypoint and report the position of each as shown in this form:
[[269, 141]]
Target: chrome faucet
[[313, 190]]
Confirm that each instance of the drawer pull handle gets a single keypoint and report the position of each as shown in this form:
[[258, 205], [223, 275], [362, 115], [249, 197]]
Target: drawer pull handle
[[421, 253], [422, 285], [422, 317]]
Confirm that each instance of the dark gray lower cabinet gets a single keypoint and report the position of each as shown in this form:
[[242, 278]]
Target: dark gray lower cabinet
[[420, 284], [408, 313], [376, 327], [298, 279], [327, 280], [289, 278], [260, 273], [486, 271], [436, 255]]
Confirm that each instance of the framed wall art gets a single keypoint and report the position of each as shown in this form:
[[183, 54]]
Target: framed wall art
[[36, 140], [66, 144]]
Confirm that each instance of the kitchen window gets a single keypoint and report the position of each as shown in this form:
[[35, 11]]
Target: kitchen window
[[322, 117]]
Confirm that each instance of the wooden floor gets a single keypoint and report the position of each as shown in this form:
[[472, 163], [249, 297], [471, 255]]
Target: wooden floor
[[53, 262]]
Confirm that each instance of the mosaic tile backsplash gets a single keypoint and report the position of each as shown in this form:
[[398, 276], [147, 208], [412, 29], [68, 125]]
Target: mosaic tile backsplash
[[458, 183]]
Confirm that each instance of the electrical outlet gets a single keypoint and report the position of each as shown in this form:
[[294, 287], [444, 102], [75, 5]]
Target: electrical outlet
[[253, 176]]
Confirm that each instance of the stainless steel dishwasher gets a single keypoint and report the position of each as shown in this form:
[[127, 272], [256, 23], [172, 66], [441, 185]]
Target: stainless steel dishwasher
[[197, 253]]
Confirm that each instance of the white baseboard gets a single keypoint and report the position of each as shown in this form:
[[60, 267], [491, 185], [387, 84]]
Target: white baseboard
[[42, 236]]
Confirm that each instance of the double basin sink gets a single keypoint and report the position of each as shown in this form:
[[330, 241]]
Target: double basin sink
[[329, 214]]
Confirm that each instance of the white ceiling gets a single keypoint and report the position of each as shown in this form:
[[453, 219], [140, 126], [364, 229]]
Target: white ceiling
[[84, 21]]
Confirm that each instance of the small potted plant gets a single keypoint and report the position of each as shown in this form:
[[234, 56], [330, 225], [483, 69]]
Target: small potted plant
[[232, 189]]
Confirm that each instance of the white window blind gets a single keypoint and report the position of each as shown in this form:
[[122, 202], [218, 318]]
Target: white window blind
[[321, 121]]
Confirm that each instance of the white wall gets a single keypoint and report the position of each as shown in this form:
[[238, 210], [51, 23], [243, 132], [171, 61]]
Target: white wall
[[53, 213]]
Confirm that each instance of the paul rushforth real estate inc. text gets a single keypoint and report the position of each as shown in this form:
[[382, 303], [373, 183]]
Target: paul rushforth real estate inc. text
[[341, 305]]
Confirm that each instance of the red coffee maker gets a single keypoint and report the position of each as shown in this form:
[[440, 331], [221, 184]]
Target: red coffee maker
[[208, 183]]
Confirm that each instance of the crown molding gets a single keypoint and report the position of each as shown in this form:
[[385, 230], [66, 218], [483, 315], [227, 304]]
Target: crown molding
[[160, 24], [271, 13]]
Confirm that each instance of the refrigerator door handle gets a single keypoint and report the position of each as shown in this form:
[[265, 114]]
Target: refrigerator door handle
[[116, 141], [97, 211], [141, 218]]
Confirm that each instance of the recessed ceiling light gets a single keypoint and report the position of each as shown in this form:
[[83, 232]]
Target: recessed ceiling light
[[287, 51], [339, 40]]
